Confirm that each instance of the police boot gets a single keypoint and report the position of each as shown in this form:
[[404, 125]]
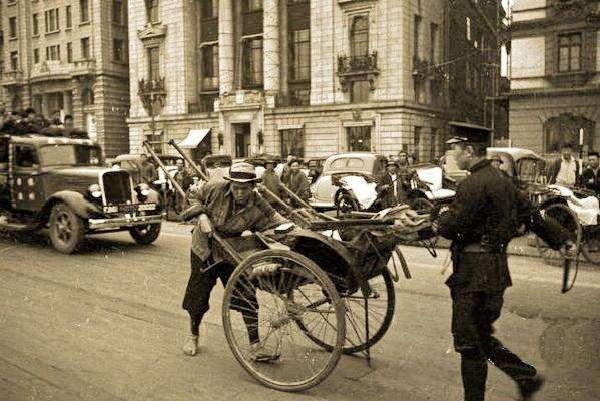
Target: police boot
[[528, 387], [473, 369], [190, 347]]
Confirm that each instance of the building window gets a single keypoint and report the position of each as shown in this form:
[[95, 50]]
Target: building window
[[84, 10], [416, 36], [36, 56], [52, 23], [152, 10], [292, 142], [253, 63], [300, 54], [434, 43], [210, 9], [70, 52], [153, 64], [468, 25], [85, 48], [53, 53], [117, 12], [359, 36], [359, 138], [12, 27], [569, 52], [35, 23], [119, 50], [253, 5], [14, 61], [87, 96], [360, 92], [210, 67], [468, 77], [68, 17]]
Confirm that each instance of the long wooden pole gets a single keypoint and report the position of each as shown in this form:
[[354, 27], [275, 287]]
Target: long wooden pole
[[164, 169]]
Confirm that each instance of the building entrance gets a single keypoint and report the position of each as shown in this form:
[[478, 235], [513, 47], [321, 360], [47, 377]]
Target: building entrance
[[242, 139]]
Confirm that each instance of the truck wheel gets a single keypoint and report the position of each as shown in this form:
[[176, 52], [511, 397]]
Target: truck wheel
[[66, 229], [145, 234]]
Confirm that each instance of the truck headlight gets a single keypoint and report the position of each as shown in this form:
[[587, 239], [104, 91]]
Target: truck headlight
[[95, 191], [143, 189]]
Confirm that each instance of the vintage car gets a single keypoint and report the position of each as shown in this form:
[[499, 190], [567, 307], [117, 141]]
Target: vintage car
[[61, 184], [349, 178], [215, 166], [315, 167]]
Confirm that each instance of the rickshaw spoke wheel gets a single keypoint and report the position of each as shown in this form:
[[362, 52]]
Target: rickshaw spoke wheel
[[381, 305], [269, 292]]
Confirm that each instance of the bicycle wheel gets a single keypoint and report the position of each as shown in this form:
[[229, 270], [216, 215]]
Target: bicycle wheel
[[381, 305], [569, 221], [273, 289], [590, 247]]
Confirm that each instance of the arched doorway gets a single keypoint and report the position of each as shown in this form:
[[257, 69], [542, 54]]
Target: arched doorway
[[564, 128]]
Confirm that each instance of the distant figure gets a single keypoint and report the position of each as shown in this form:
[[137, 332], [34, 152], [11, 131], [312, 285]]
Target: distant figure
[[298, 183], [565, 169], [285, 173], [147, 170], [590, 179], [390, 189], [272, 182]]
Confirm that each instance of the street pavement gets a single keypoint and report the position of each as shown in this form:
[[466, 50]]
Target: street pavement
[[107, 324]]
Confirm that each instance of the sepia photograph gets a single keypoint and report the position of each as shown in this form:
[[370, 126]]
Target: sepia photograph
[[299, 200]]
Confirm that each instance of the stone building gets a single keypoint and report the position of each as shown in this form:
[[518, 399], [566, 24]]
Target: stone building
[[555, 74], [300, 77], [70, 57]]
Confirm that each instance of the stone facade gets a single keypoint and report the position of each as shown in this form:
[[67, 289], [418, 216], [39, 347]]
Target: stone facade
[[555, 74], [70, 60], [359, 91]]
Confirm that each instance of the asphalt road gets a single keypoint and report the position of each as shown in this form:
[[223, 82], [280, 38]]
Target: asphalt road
[[107, 324]]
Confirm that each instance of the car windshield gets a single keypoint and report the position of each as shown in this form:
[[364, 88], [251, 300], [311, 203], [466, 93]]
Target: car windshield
[[70, 155], [530, 170]]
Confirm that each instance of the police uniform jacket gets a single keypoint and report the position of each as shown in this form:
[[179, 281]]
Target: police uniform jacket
[[484, 217]]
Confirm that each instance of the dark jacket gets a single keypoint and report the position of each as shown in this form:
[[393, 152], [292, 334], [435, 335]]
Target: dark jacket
[[554, 168], [299, 184], [487, 212], [590, 179], [385, 189], [272, 182]]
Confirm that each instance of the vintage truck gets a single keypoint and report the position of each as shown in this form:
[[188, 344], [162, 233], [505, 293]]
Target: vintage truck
[[61, 184]]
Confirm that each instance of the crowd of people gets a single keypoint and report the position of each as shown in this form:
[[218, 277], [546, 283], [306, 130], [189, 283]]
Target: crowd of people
[[29, 121]]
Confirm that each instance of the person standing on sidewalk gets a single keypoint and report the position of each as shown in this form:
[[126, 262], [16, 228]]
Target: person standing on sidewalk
[[487, 213]]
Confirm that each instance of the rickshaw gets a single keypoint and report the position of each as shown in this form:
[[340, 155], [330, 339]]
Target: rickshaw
[[320, 288]]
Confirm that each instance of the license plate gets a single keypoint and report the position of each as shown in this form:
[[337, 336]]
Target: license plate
[[147, 207], [127, 208]]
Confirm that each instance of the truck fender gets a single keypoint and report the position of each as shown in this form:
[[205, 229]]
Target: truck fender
[[75, 200]]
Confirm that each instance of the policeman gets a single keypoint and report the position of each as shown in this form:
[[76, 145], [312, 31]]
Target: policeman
[[487, 213]]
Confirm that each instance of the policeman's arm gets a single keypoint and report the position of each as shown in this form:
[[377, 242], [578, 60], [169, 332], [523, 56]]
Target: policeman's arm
[[463, 213]]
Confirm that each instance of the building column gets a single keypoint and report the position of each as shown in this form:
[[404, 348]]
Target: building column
[[226, 47], [271, 46], [67, 103], [45, 111]]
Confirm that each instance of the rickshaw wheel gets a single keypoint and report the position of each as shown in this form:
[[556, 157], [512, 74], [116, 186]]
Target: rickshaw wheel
[[287, 287], [569, 221], [381, 306]]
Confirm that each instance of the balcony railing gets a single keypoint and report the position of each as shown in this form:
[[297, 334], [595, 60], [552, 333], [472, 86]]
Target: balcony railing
[[357, 64], [12, 78], [51, 69], [84, 67], [152, 93]]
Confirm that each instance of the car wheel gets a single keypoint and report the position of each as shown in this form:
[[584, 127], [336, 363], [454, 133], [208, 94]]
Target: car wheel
[[145, 234], [66, 229]]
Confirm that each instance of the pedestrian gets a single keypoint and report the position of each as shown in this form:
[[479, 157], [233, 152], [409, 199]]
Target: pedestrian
[[298, 183], [147, 170], [231, 207], [286, 171], [390, 189], [272, 182], [564, 170], [487, 213], [590, 179]]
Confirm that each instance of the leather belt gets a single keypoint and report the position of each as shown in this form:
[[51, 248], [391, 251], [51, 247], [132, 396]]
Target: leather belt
[[479, 248]]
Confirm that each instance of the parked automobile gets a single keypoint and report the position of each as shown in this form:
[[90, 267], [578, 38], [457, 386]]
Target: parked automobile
[[348, 182], [315, 167], [61, 183]]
